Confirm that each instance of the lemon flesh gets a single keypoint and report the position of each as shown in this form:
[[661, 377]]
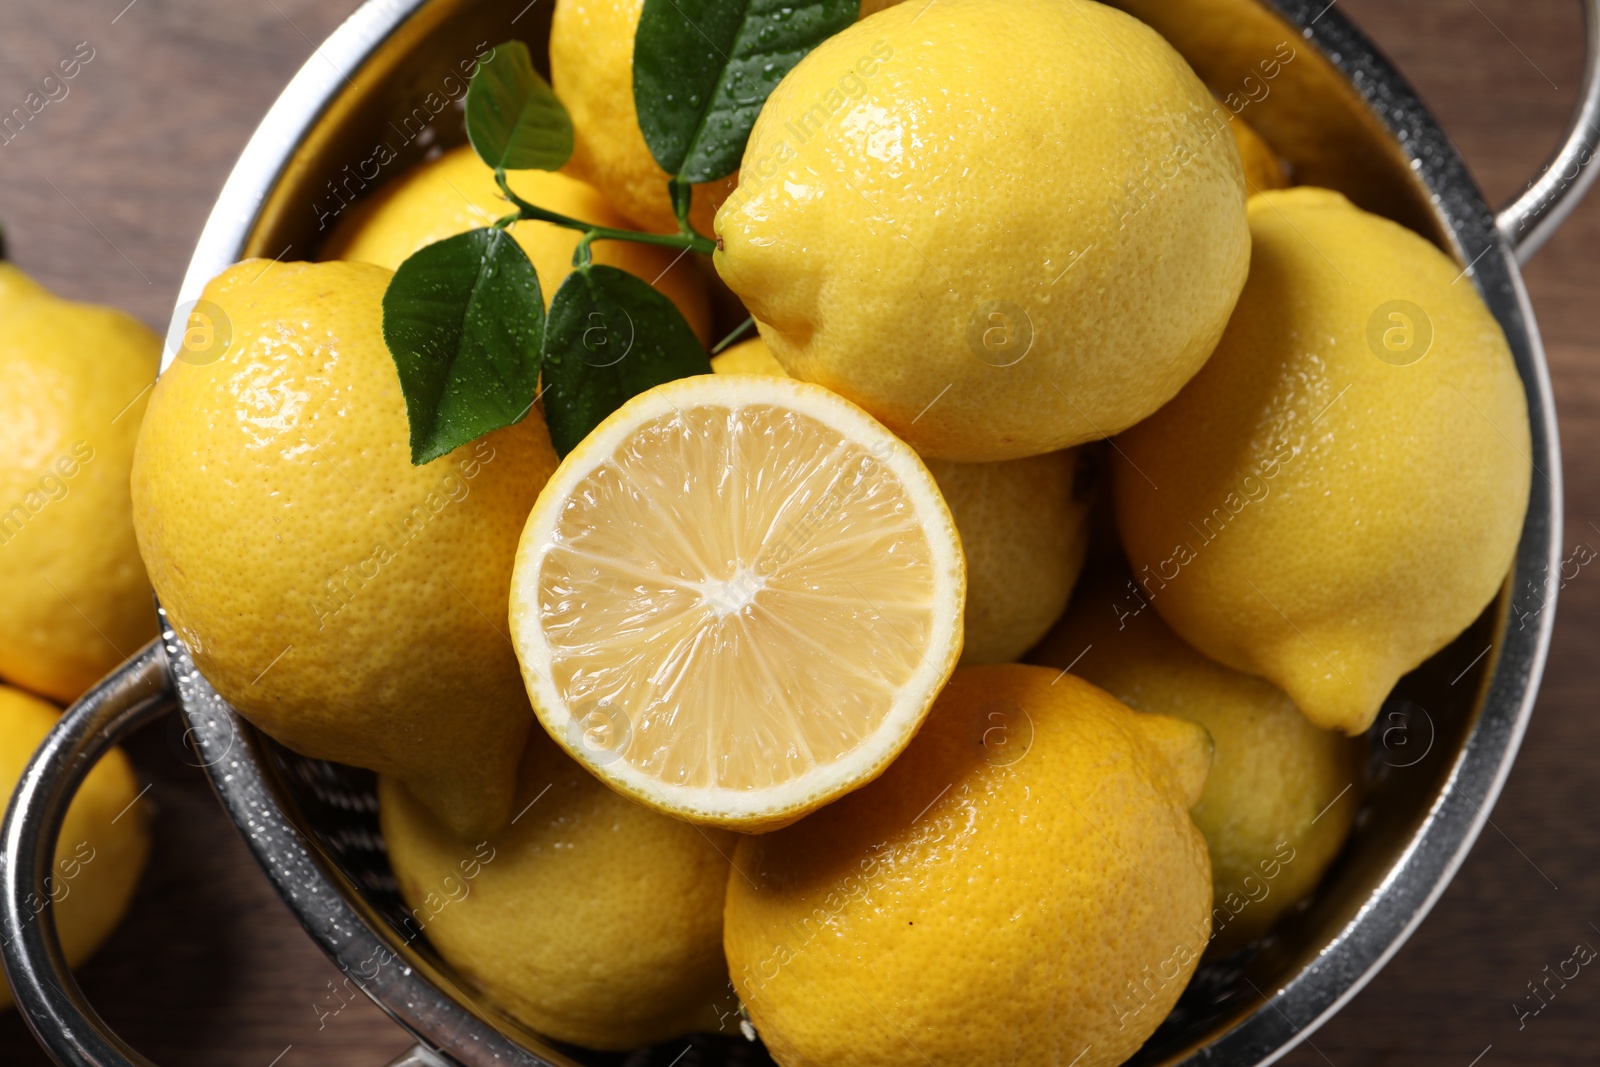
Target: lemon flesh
[[737, 598], [1339, 493], [1023, 886], [992, 273], [1024, 532]]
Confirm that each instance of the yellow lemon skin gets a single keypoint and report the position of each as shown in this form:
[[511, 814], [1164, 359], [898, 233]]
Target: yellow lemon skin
[[1262, 168], [1023, 886], [74, 379], [1309, 509], [1024, 526], [590, 919], [748, 357], [991, 273], [591, 70], [1282, 794], [347, 602], [1024, 529], [457, 192], [104, 841]]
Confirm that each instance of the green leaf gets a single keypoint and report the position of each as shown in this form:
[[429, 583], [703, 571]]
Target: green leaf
[[610, 336], [703, 68], [514, 120], [462, 319]]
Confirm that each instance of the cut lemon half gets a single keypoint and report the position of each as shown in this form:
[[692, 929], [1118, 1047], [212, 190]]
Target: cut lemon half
[[737, 598]]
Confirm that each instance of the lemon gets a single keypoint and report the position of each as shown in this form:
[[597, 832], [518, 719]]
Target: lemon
[[591, 70], [1262, 168], [1282, 794], [1023, 886], [590, 919], [1024, 529], [737, 598], [1339, 492], [457, 192], [1023, 525], [748, 357], [347, 602], [74, 379], [104, 838], [991, 273]]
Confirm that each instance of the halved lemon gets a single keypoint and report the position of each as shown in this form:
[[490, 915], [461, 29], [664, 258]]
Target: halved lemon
[[737, 598]]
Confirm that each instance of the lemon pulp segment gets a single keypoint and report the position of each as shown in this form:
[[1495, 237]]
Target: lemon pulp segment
[[735, 598]]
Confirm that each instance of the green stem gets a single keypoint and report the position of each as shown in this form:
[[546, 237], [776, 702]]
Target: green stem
[[682, 194], [583, 255], [692, 241], [738, 332]]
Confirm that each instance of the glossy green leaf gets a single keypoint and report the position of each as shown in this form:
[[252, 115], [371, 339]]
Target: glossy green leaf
[[514, 120], [610, 336], [463, 320], [703, 68]]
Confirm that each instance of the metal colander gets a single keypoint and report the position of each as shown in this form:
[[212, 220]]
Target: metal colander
[[1442, 746]]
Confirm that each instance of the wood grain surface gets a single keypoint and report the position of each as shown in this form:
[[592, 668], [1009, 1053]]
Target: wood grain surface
[[103, 194]]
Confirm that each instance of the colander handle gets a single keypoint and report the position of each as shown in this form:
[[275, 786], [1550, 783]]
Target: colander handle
[[55, 1008], [51, 1002], [1529, 220]]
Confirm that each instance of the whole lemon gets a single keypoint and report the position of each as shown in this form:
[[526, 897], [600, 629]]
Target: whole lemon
[[347, 602], [591, 70], [1282, 794], [591, 919], [1024, 530], [748, 357], [991, 273], [74, 379], [457, 192], [104, 840], [1022, 886], [1339, 492]]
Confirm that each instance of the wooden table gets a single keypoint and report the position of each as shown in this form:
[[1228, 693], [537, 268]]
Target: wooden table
[[103, 195]]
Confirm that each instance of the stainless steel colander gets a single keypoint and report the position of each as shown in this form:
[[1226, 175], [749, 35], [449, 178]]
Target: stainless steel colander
[[1442, 747]]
